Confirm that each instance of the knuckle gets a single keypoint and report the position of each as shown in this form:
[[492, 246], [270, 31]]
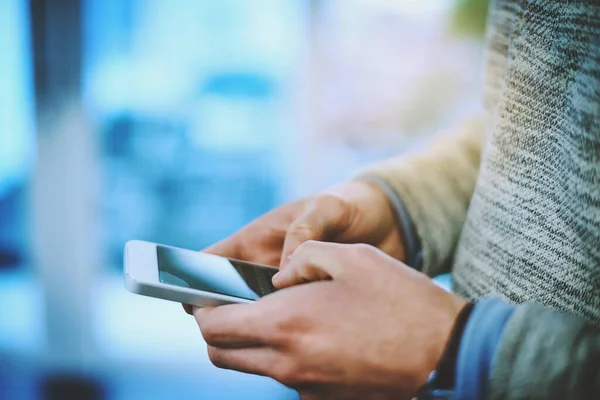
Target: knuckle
[[330, 200], [273, 232], [289, 329], [287, 374], [308, 245], [360, 251], [363, 249], [216, 357], [334, 205], [282, 329], [305, 248], [209, 334], [302, 229]]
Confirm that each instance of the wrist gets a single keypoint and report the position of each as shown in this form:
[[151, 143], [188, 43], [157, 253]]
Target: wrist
[[445, 372], [466, 365], [444, 341]]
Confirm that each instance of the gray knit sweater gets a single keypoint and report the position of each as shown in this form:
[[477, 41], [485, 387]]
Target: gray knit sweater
[[511, 202]]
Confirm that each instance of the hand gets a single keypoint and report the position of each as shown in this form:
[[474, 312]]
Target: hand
[[354, 212], [370, 328]]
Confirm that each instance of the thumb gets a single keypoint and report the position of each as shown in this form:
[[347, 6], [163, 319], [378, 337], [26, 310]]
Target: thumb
[[325, 216], [312, 261]]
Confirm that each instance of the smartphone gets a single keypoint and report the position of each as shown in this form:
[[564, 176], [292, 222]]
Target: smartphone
[[192, 277]]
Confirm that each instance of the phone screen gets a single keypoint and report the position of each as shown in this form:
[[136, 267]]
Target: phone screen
[[214, 274]]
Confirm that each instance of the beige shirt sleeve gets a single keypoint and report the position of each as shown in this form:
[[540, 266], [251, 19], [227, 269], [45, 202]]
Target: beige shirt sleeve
[[436, 186]]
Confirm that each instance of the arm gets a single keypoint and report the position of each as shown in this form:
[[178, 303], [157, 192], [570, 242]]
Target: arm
[[355, 334], [559, 354], [527, 352], [435, 188]]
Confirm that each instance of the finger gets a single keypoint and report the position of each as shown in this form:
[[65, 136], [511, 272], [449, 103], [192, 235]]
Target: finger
[[188, 309], [312, 261], [258, 360], [324, 217], [324, 391], [227, 247], [233, 326]]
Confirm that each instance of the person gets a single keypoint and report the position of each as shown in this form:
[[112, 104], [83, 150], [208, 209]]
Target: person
[[509, 203]]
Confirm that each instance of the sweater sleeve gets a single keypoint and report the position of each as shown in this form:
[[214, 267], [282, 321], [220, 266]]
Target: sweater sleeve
[[544, 354], [436, 186]]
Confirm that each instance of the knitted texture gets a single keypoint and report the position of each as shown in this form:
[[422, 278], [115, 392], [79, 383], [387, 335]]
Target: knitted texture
[[533, 227], [512, 204], [545, 355]]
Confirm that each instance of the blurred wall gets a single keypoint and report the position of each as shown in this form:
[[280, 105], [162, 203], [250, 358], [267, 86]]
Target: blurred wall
[[179, 122]]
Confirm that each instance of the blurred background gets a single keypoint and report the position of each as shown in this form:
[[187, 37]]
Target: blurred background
[[179, 122]]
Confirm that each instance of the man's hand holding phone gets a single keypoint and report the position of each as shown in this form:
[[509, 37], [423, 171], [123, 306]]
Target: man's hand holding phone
[[366, 327], [354, 212]]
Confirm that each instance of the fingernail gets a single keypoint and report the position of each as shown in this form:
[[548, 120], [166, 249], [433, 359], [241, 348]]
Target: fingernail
[[275, 277]]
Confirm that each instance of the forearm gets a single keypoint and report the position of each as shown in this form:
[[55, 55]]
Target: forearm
[[434, 188]]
